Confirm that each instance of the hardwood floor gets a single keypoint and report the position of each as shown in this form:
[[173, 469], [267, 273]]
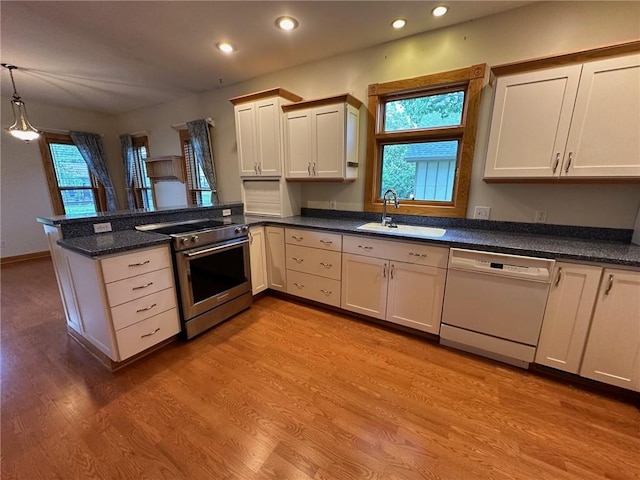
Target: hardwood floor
[[284, 391]]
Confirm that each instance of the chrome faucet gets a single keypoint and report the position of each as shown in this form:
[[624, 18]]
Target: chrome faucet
[[386, 221]]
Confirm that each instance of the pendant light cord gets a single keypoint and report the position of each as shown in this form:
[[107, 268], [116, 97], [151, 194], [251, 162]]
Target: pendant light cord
[[11, 68]]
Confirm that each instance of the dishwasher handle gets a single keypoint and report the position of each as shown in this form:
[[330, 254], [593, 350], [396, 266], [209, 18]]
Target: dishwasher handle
[[512, 266]]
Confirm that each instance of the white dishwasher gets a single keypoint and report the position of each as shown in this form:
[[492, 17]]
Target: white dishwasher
[[494, 304]]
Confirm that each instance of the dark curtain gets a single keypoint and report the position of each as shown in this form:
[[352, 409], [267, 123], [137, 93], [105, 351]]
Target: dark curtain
[[92, 150], [126, 150], [199, 134]]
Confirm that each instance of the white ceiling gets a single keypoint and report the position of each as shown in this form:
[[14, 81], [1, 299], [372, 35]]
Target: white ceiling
[[114, 56]]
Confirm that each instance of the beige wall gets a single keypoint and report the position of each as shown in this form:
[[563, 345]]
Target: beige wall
[[532, 31], [24, 194], [535, 30]]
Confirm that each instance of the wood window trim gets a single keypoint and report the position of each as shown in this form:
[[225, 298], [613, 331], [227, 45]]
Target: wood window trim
[[52, 182], [472, 80]]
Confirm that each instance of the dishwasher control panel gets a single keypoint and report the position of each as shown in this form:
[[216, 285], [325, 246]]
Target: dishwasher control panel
[[529, 268]]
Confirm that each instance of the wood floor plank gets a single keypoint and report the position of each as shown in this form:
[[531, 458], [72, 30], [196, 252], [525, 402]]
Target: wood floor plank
[[286, 391]]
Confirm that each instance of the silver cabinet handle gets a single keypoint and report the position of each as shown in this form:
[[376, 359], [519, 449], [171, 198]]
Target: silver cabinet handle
[[556, 163], [393, 271], [299, 285], [299, 260], [142, 286], [326, 292], [255, 167], [250, 238], [151, 333], [309, 168], [384, 271], [558, 277], [326, 265], [609, 285], [296, 238], [422, 255], [259, 168], [313, 168], [145, 309], [139, 264], [365, 247], [566, 170], [326, 242]]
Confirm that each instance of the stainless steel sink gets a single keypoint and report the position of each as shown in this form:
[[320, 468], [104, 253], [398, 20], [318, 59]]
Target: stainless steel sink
[[406, 230]]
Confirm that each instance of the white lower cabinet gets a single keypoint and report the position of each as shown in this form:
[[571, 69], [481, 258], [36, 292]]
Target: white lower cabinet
[[567, 316], [276, 259], [126, 302], [400, 282], [612, 353], [258, 259]]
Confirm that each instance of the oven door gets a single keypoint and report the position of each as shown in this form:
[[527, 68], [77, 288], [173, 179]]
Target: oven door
[[212, 275]]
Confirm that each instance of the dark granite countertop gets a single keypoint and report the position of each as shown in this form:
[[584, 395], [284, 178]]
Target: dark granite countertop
[[113, 242], [545, 246]]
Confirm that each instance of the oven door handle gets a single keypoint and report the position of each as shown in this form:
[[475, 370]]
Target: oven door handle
[[207, 251]]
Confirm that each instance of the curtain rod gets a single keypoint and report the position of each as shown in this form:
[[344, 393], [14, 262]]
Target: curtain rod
[[62, 132], [182, 126], [140, 133]]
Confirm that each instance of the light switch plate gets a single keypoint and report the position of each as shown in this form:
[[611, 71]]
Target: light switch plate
[[102, 227], [226, 212], [482, 213]]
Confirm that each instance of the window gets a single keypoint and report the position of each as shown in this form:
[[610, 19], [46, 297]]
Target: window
[[141, 184], [198, 189], [73, 189], [422, 140]]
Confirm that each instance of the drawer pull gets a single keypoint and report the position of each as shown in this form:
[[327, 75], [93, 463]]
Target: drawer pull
[[326, 265], [299, 260], [566, 170], [365, 247], [555, 164], [146, 308], [609, 285], [139, 264], [299, 285], [326, 292], [422, 255], [151, 333], [326, 242], [142, 286], [559, 277], [295, 237]]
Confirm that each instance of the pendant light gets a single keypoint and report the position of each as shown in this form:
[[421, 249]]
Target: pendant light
[[21, 127]]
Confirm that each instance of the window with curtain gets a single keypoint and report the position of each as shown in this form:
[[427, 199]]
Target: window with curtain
[[141, 182], [198, 189], [73, 189]]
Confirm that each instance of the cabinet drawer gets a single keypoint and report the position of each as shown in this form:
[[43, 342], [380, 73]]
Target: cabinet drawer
[[409, 252], [131, 288], [324, 290], [315, 261], [147, 333], [314, 238], [135, 263], [144, 307]]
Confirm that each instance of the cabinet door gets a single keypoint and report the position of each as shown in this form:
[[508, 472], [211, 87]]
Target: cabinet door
[[604, 139], [568, 316], [298, 144], [268, 140], [612, 354], [258, 258], [364, 285], [276, 259], [415, 296], [246, 139], [328, 141], [530, 123]]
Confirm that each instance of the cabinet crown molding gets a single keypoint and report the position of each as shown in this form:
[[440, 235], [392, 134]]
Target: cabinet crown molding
[[271, 92], [342, 98]]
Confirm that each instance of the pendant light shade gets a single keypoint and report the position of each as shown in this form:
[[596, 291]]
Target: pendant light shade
[[21, 127]]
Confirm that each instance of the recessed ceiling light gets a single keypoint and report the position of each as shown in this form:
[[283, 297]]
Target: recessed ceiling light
[[439, 11], [286, 23], [225, 47], [398, 23]]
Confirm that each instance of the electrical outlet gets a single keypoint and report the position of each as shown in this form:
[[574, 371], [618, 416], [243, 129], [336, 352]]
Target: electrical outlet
[[541, 216], [333, 204], [226, 212], [482, 213], [102, 227]]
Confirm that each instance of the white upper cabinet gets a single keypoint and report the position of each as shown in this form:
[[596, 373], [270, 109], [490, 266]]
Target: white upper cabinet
[[321, 139], [567, 122], [259, 124]]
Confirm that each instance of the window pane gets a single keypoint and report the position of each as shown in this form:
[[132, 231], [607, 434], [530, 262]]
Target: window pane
[[441, 110], [420, 171], [79, 201], [71, 169]]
